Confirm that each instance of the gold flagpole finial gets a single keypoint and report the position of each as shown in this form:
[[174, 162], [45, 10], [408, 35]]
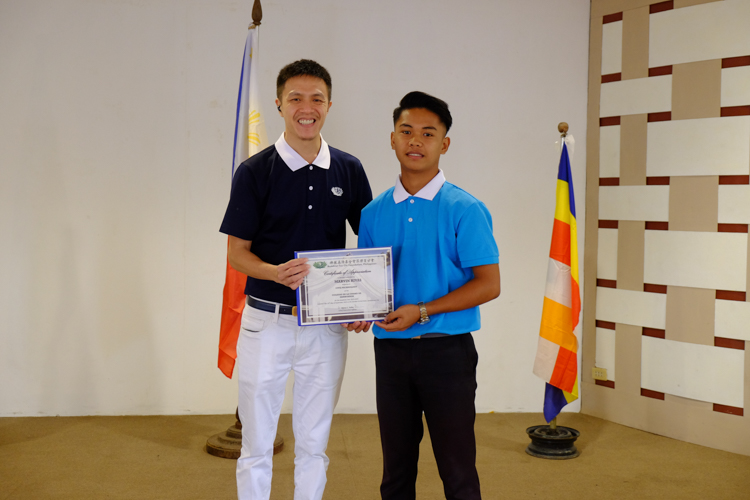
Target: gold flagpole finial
[[562, 127], [257, 14]]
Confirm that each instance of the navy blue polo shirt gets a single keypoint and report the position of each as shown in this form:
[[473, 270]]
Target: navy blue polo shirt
[[283, 205]]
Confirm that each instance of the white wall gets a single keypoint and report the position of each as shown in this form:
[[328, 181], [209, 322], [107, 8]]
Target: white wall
[[115, 150]]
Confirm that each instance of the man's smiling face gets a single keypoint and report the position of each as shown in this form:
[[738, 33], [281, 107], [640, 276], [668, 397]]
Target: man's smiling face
[[304, 105], [419, 140]]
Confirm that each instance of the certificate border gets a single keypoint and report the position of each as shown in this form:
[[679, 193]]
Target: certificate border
[[304, 320]]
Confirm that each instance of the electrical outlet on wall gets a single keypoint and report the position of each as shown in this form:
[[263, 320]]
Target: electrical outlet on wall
[[599, 373]]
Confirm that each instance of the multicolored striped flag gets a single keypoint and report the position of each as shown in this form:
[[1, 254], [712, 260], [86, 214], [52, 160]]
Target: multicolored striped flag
[[556, 357], [249, 138]]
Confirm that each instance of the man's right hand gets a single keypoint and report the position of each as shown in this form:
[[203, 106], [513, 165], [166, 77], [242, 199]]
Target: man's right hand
[[292, 273]]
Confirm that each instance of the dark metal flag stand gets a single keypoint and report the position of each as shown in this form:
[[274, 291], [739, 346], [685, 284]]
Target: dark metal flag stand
[[551, 441], [228, 444]]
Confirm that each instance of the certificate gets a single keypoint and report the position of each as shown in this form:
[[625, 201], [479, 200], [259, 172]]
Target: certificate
[[344, 286]]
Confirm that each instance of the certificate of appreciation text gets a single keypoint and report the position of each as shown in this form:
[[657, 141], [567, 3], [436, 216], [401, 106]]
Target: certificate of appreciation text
[[344, 286]]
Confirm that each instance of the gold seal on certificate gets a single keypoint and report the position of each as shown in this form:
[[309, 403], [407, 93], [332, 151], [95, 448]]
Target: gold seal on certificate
[[343, 286]]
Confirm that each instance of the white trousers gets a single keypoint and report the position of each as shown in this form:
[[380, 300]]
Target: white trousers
[[269, 347]]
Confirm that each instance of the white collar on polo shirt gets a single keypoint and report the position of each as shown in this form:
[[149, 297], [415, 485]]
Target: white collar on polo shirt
[[295, 162], [428, 192]]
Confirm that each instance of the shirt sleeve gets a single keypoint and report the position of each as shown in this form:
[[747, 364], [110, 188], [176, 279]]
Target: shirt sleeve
[[476, 244], [362, 198], [242, 217]]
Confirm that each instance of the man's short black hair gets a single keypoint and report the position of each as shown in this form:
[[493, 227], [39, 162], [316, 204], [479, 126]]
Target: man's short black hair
[[303, 67], [418, 99]]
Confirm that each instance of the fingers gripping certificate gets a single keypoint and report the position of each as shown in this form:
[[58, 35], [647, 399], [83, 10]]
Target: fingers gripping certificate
[[345, 286]]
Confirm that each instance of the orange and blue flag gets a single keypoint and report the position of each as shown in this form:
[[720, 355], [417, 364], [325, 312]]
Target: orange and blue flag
[[557, 352]]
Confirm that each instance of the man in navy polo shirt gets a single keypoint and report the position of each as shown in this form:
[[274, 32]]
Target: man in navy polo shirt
[[445, 264], [295, 195]]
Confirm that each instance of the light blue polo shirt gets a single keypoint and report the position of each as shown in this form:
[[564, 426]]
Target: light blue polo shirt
[[437, 236]]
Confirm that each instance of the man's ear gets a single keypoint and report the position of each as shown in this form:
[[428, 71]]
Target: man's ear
[[446, 145], [278, 105], [393, 142]]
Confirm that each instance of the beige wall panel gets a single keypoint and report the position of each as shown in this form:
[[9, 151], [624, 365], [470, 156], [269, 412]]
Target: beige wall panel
[[628, 358], [732, 320], [642, 95], [693, 259], [633, 133], [709, 146], [590, 254], [700, 372], [690, 315], [612, 48], [605, 351], [734, 204], [606, 264], [671, 418], [630, 244], [700, 33], [679, 4], [635, 43], [694, 403], [735, 86], [649, 203], [609, 151], [694, 203], [696, 90], [631, 308], [601, 8]]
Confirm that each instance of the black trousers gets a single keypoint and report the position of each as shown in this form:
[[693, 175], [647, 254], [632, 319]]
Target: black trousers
[[436, 376]]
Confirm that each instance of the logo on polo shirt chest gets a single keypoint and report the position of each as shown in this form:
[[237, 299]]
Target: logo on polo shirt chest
[[337, 191]]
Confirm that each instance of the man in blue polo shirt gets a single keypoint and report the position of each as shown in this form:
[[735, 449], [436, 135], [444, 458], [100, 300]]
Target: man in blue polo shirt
[[445, 265], [295, 195]]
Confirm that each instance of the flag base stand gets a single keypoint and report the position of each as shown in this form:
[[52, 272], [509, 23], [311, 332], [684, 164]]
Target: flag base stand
[[228, 444], [552, 441]]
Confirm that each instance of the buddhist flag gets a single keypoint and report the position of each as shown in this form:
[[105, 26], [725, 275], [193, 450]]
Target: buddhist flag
[[249, 138], [556, 357]]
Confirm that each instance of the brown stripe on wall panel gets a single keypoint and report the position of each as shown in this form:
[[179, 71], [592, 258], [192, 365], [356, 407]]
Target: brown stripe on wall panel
[[734, 179], [732, 228], [730, 295], [663, 116], [732, 410], [652, 394], [657, 226], [651, 288], [729, 343], [608, 121], [606, 283], [661, 7], [735, 111], [605, 383], [733, 62], [605, 324], [612, 77], [609, 181], [660, 71], [612, 18], [654, 332], [657, 181], [608, 224]]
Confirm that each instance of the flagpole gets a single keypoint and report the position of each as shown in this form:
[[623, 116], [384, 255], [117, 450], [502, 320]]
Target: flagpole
[[551, 441], [228, 444]]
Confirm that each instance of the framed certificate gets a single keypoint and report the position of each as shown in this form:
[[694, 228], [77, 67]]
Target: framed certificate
[[343, 286]]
